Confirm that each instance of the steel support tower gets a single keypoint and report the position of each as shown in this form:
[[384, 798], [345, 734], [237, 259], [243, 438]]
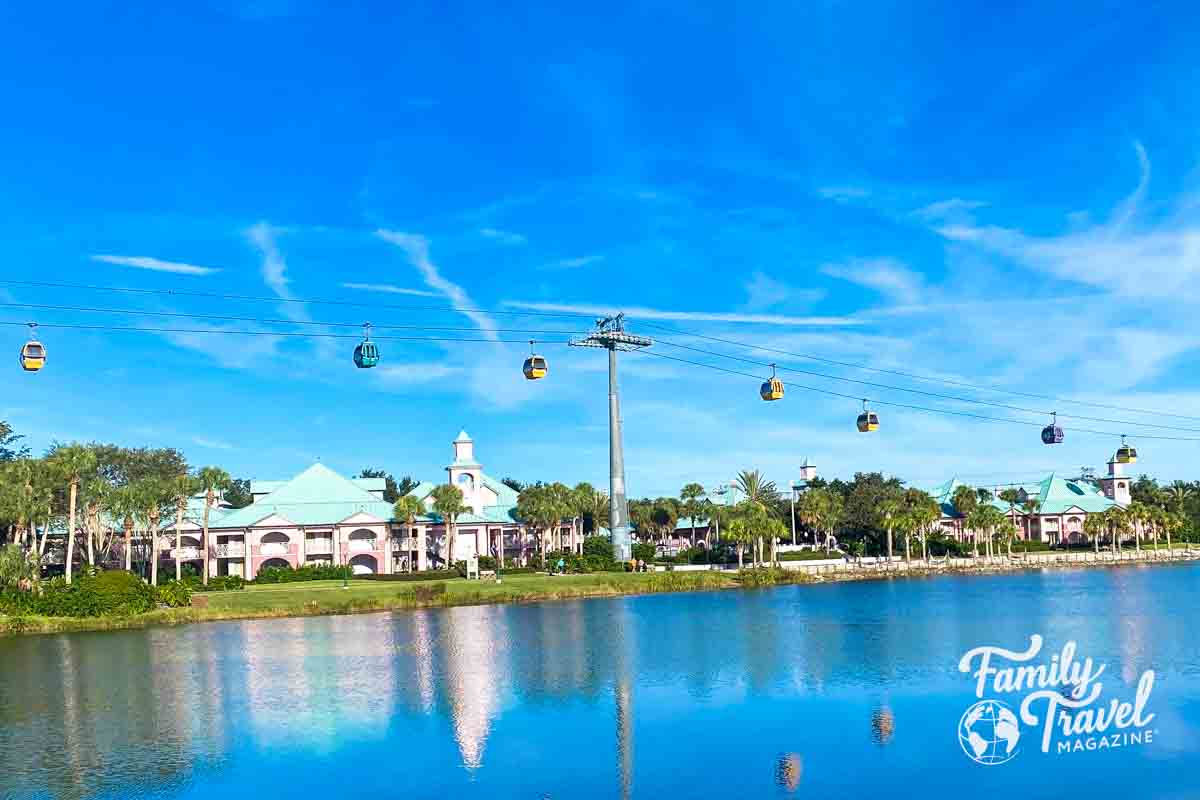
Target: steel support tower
[[610, 334]]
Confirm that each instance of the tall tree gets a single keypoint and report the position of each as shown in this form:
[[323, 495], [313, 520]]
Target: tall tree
[[213, 481], [406, 510], [10, 449], [391, 490], [74, 462], [124, 505], [448, 503], [181, 490], [691, 495]]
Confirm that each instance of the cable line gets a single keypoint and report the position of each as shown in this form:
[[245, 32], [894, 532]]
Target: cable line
[[224, 318], [570, 315], [908, 406], [272, 299], [924, 393], [916, 376], [294, 334]]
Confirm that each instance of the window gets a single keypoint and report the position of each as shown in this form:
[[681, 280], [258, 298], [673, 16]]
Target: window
[[466, 482]]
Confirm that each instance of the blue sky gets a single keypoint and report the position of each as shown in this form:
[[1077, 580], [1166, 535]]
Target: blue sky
[[1007, 198]]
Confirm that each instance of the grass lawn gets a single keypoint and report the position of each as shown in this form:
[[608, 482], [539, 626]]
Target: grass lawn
[[386, 594]]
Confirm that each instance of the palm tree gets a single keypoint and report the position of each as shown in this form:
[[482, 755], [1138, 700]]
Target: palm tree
[[1178, 493], [1137, 514], [1095, 526], [597, 509], [1031, 506], [739, 532], [212, 480], [183, 488], [889, 509], [581, 503], [408, 508], [690, 495], [1172, 522], [448, 503], [965, 501], [73, 461], [97, 493], [756, 488], [156, 499], [124, 504]]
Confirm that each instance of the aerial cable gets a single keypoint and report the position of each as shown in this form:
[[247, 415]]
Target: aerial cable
[[275, 299], [911, 407], [226, 318], [293, 334], [924, 393], [914, 376]]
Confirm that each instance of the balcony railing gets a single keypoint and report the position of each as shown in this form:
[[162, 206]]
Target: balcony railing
[[230, 550], [184, 553], [318, 546]]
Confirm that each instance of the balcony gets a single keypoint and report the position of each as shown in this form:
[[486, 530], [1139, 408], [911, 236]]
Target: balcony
[[184, 553], [317, 547], [230, 550]]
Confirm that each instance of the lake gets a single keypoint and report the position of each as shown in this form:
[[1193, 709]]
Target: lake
[[838, 690]]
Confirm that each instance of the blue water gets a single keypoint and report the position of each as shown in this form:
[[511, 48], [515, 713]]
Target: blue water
[[843, 690]]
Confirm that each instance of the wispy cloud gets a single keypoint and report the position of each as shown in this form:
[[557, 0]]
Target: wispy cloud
[[843, 194], [503, 237], [416, 247], [274, 269], [763, 292], [948, 208], [155, 264], [212, 444], [884, 275], [640, 312], [384, 288], [576, 263]]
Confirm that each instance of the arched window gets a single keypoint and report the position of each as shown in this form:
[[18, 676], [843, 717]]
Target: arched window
[[362, 539], [466, 482], [274, 543]]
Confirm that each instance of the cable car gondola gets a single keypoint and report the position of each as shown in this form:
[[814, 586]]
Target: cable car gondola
[[773, 388], [1126, 454], [1052, 434], [33, 353], [366, 354], [535, 366], [868, 420]]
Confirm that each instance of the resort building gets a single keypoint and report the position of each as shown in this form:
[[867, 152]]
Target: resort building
[[320, 517], [1059, 508]]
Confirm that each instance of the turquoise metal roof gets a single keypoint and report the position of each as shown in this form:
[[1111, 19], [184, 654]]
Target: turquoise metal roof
[[314, 497], [1055, 494]]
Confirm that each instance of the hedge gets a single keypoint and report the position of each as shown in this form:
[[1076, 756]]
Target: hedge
[[115, 593], [427, 575]]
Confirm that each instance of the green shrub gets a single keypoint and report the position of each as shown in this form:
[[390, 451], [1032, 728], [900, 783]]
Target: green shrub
[[119, 593], [518, 571], [175, 594], [308, 572], [487, 562], [808, 555], [428, 575], [643, 551], [600, 546]]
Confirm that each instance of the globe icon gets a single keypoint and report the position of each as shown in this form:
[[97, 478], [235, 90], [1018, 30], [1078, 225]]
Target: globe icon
[[988, 732]]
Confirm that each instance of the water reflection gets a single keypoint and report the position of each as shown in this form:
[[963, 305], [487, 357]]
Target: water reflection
[[672, 695], [788, 771]]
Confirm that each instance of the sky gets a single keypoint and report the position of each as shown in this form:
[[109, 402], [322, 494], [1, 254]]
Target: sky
[[1002, 199]]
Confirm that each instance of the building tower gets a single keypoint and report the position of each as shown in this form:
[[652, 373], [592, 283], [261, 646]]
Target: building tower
[[1115, 484], [465, 472]]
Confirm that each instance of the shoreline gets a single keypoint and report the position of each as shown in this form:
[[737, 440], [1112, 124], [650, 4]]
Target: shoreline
[[376, 597]]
